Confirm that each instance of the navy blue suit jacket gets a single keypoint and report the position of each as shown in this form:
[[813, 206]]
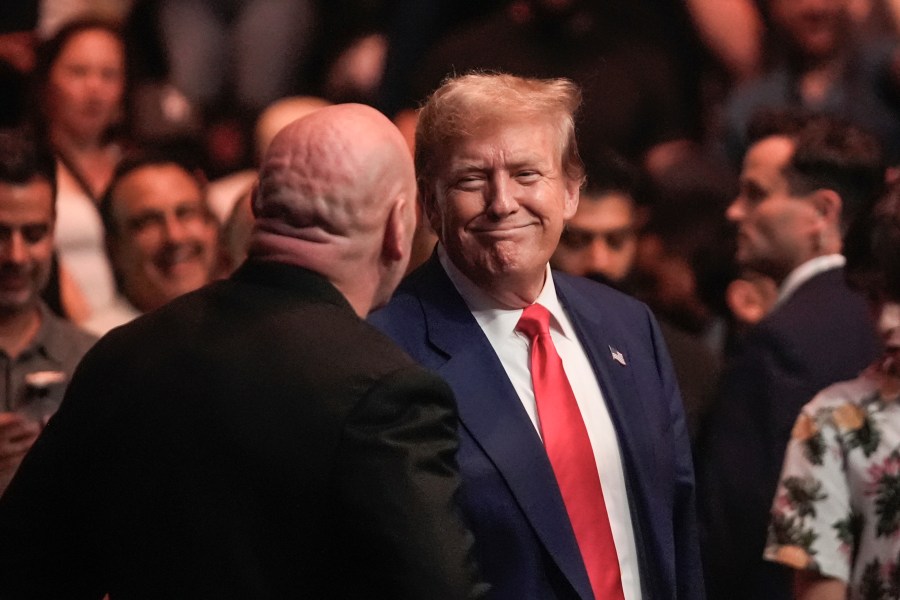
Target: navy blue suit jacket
[[820, 335], [509, 496]]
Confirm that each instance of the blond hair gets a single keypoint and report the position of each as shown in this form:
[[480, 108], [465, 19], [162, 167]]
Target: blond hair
[[464, 104]]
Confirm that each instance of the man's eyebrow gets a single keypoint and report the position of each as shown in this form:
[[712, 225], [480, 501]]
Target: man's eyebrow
[[466, 165]]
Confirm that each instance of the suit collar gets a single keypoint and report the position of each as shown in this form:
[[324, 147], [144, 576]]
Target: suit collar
[[807, 271], [291, 278], [492, 413]]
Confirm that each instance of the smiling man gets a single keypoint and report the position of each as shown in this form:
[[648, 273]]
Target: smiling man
[[38, 351], [162, 239], [576, 468]]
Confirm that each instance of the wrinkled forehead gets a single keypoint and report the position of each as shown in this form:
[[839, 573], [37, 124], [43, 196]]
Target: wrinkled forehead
[[311, 165], [516, 140]]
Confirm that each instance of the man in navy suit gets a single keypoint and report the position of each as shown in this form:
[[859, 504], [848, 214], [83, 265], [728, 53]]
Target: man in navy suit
[[499, 174], [802, 183]]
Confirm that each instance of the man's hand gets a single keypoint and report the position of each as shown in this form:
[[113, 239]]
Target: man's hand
[[17, 434]]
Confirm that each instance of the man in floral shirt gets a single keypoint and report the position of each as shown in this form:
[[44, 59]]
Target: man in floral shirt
[[836, 514]]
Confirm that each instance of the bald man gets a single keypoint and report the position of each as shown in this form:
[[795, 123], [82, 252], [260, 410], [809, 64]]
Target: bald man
[[256, 438]]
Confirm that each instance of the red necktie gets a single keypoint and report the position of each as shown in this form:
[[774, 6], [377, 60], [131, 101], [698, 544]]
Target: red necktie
[[569, 449]]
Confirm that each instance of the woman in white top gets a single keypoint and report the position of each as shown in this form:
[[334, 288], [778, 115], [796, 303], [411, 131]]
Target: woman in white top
[[80, 82]]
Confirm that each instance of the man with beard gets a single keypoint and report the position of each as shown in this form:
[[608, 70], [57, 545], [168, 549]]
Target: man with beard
[[38, 350], [161, 237], [802, 183]]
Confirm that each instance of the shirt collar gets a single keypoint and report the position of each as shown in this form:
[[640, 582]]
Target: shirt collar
[[44, 342], [807, 271], [498, 319]]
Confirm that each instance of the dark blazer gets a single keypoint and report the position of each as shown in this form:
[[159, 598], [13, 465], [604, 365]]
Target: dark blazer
[[254, 439], [821, 334], [524, 541]]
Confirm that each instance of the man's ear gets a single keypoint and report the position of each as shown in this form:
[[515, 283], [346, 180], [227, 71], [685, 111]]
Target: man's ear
[[254, 193], [573, 194], [398, 231], [829, 205], [431, 211]]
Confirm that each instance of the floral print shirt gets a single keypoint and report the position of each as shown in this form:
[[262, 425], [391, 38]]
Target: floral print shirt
[[837, 507]]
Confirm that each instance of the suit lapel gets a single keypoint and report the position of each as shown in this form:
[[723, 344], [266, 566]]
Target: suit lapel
[[490, 410], [601, 338], [605, 344]]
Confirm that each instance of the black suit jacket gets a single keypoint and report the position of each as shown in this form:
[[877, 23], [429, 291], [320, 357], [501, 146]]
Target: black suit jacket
[[820, 335], [254, 439]]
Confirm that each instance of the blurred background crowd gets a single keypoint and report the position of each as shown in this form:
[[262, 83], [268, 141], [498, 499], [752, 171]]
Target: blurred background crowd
[[669, 89]]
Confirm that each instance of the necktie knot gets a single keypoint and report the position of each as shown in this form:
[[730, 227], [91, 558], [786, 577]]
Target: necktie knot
[[534, 321]]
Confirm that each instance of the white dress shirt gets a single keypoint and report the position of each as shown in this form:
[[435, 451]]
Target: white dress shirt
[[499, 325], [807, 271]]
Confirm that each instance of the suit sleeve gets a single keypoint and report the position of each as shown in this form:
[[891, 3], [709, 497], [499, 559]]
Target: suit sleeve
[[688, 566], [397, 479]]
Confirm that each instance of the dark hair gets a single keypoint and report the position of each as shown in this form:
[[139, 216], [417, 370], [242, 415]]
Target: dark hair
[[607, 172], [133, 162], [48, 52], [872, 248], [22, 158], [830, 153]]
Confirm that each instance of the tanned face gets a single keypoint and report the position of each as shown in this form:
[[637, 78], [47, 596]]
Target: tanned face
[[86, 84], [776, 229], [26, 243], [600, 239], [166, 241], [501, 199]]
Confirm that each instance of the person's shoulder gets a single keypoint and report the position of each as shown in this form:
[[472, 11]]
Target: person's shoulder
[[65, 334], [406, 303], [582, 290], [841, 404], [823, 300], [849, 392], [379, 343]]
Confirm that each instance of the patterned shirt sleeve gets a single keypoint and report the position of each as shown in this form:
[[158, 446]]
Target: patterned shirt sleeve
[[812, 521]]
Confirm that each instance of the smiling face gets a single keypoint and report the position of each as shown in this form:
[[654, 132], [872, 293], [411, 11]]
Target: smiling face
[[86, 84], [26, 243], [500, 199], [166, 241]]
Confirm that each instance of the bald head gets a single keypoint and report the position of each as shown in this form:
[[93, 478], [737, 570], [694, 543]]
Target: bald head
[[279, 114], [336, 195]]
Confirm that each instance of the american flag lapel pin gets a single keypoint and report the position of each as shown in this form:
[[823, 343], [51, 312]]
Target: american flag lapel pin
[[617, 356]]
